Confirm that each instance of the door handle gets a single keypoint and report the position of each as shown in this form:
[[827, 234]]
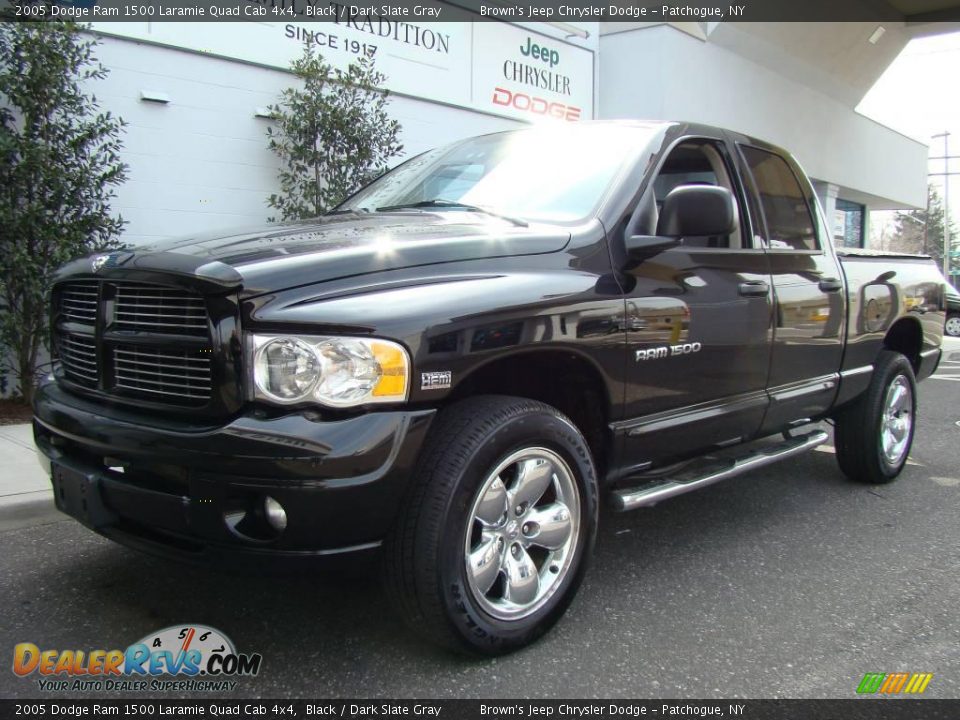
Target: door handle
[[830, 285], [754, 288]]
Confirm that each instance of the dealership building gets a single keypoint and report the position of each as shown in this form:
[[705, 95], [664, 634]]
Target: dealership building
[[195, 97]]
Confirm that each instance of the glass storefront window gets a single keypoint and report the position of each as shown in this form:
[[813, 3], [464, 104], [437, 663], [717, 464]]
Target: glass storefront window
[[848, 224]]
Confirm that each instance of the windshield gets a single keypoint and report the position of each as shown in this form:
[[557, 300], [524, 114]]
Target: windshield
[[543, 174]]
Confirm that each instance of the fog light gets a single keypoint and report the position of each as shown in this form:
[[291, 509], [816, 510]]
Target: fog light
[[276, 515]]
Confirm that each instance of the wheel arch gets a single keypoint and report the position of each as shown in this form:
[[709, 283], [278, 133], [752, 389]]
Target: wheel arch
[[905, 336], [567, 380]]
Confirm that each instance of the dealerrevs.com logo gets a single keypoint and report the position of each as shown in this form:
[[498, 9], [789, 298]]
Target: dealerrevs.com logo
[[200, 658]]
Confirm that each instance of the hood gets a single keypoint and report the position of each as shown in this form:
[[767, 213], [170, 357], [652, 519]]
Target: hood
[[278, 256]]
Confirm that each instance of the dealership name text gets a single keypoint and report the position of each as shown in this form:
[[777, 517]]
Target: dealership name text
[[598, 12]]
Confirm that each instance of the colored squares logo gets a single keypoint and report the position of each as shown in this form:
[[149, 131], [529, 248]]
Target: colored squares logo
[[894, 683]]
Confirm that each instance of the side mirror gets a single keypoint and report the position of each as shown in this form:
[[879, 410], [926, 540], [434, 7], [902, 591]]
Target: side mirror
[[697, 211]]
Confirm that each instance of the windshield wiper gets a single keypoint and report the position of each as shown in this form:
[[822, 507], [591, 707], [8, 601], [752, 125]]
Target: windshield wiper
[[345, 211], [453, 204]]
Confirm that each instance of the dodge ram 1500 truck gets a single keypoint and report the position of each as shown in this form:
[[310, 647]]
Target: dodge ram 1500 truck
[[461, 362]]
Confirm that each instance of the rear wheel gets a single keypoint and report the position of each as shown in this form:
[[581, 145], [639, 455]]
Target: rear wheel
[[873, 436], [495, 536]]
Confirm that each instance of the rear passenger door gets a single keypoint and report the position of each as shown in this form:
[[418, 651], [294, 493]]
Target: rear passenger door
[[809, 312]]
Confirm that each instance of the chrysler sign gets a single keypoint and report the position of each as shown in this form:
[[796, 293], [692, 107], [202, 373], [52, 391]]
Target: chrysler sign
[[493, 66]]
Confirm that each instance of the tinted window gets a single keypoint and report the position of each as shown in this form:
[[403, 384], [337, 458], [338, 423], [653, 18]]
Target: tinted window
[[789, 222]]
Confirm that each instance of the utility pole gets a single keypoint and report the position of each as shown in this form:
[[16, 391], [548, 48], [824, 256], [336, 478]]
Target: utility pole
[[946, 199]]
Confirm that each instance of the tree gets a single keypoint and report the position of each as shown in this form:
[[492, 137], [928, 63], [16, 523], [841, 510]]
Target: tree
[[59, 165], [333, 135], [921, 231]]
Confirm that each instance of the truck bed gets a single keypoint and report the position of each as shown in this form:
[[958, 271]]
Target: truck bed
[[869, 253]]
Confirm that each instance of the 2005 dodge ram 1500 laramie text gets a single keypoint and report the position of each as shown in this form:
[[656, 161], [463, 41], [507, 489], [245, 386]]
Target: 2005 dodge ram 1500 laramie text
[[457, 365]]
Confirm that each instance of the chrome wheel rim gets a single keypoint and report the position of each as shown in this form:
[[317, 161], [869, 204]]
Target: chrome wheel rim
[[522, 533], [897, 420], [952, 325]]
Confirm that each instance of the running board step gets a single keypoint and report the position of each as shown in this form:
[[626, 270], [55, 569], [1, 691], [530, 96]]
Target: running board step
[[716, 470]]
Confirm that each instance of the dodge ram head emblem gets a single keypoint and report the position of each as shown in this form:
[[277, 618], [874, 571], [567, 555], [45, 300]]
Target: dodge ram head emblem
[[99, 261]]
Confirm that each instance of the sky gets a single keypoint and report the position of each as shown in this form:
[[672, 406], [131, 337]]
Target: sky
[[919, 96]]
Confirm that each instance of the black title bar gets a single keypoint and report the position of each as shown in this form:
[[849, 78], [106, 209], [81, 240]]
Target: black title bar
[[568, 11], [260, 709]]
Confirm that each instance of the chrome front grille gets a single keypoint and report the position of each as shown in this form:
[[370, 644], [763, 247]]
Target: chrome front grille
[[157, 309], [143, 343], [78, 353], [177, 376], [78, 302]]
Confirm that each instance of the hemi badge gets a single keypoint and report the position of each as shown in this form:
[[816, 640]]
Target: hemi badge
[[436, 380]]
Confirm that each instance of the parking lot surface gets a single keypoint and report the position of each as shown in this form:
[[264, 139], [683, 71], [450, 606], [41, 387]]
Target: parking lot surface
[[787, 582]]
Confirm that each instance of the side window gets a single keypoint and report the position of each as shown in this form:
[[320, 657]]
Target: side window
[[789, 222]]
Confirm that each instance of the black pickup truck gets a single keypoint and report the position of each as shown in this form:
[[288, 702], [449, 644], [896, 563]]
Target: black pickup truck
[[459, 364]]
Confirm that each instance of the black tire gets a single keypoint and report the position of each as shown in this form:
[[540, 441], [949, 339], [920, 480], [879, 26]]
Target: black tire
[[425, 556], [859, 426]]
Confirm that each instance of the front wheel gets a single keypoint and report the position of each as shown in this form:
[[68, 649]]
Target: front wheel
[[496, 533], [952, 326], [873, 436]]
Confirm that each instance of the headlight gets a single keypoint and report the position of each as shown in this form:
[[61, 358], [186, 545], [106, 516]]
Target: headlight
[[333, 371], [286, 369]]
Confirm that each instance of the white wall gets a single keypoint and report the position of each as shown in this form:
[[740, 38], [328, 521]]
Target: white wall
[[201, 162], [661, 73]]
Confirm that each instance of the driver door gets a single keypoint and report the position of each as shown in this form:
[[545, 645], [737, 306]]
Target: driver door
[[698, 321]]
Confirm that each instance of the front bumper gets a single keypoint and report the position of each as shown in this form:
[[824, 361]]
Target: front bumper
[[184, 490]]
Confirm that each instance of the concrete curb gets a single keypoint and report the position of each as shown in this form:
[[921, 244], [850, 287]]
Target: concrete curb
[[28, 509]]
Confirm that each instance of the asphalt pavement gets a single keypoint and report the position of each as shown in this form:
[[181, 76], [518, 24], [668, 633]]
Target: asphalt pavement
[[787, 582]]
